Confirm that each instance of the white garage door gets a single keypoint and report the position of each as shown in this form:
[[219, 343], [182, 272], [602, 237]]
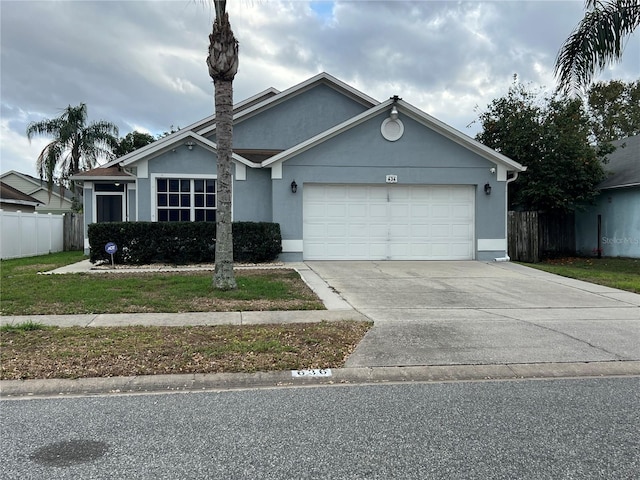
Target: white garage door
[[388, 222]]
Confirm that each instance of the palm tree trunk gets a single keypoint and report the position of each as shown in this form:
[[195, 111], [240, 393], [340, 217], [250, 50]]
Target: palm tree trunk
[[224, 278], [223, 65]]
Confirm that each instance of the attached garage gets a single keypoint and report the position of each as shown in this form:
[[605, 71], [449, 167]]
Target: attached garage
[[388, 222]]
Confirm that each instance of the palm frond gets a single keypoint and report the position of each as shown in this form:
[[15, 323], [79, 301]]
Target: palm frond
[[597, 41]]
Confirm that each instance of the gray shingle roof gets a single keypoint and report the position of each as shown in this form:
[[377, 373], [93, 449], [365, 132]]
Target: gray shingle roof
[[624, 164]]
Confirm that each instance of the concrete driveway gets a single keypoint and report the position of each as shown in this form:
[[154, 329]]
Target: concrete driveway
[[470, 313]]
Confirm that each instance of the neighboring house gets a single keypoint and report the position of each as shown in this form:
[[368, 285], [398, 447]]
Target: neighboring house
[[345, 176], [12, 200], [617, 208], [57, 202]]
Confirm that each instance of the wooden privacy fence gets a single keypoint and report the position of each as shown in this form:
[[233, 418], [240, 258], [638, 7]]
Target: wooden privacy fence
[[73, 231], [534, 236]]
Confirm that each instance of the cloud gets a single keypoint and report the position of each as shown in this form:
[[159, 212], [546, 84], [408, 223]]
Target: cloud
[[142, 64]]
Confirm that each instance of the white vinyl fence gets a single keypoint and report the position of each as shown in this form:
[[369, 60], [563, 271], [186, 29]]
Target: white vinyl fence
[[29, 234]]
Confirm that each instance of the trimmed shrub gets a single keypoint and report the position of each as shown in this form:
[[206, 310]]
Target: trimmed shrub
[[182, 242]]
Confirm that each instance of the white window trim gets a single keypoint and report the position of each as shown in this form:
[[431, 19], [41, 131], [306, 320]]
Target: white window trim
[[183, 176]]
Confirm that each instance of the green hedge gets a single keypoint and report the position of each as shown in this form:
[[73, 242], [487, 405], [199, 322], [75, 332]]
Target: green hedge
[[182, 242]]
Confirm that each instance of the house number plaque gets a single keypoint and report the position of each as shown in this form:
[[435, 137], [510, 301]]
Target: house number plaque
[[392, 179], [318, 372]]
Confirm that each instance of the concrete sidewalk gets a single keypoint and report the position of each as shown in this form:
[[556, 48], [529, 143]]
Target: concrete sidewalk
[[434, 321]]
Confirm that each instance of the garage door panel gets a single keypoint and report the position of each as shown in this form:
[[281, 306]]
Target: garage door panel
[[441, 211], [335, 210], [388, 222], [378, 210], [461, 211], [460, 231]]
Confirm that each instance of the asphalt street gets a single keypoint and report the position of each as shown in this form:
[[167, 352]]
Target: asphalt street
[[533, 429]]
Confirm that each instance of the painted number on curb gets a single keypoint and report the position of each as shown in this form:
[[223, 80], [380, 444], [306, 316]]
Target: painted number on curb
[[318, 372]]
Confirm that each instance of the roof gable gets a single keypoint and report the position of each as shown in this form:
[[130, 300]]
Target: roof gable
[[412, 112], [320, 79], [183, 137]]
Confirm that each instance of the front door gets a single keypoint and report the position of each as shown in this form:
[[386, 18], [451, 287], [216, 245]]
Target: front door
[[109, 208]]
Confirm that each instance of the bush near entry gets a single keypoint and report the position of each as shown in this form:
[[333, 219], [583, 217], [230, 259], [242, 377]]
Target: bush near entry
[[182, 242]]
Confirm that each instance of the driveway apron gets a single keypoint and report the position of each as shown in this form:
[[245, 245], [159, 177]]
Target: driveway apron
[[469, 313]]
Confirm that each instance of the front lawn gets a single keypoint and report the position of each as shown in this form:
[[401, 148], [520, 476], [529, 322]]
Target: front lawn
[[621, 273], [24, 292]]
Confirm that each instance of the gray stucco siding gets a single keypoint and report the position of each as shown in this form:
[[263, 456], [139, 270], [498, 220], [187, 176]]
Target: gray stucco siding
[[620, 235], [184, 161], [131, 205], [295, 120], [365, 146], [88, 213], [252, 200]]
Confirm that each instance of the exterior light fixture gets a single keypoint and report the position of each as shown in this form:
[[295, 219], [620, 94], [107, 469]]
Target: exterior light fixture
[[294, 187], [190, 145], [392, 127], [487, 189], [492, 170]]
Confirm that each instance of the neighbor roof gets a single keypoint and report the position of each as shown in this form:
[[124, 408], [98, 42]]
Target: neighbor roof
[[8, 194], [39, 184], [623, 165]]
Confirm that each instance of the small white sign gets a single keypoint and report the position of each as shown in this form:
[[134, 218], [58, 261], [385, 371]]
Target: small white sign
[[392, 179], [318, 372]]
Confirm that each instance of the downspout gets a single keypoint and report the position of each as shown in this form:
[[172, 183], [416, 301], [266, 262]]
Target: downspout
[[506, 257]]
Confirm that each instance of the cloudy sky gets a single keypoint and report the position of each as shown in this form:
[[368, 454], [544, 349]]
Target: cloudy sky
[[142, 64]]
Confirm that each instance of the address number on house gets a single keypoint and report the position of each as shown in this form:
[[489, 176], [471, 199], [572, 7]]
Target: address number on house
[[392, 179], [318, 372]]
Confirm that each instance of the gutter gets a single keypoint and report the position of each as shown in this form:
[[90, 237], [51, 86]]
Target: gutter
[[506, 258]]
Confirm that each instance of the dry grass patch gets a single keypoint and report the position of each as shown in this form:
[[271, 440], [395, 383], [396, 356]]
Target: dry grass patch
[[33, 351]]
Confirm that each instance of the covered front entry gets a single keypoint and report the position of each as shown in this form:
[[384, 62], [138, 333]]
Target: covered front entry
[[388, 222]]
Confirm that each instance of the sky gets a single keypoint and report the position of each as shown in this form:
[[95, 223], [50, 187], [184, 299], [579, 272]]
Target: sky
[[141, 65]]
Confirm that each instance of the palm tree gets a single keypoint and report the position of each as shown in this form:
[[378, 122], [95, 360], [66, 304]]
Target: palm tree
[[597, 41], [223, 66], [75, 146]]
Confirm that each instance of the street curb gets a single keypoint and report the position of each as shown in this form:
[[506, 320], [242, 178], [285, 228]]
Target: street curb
[[19, 389]]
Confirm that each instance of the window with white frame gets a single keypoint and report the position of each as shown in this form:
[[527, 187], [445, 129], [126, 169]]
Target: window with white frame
[[186, 199]]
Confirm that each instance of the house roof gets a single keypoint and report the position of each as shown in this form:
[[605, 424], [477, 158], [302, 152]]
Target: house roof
[[39, 184], [271, 97], [8, 194], [105, 173], [623, 165]]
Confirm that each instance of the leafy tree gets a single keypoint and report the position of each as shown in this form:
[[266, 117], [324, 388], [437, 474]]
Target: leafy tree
[[551, 137], [223, 66], [76, 145], [614, 108], [597, 41], [167, 133], [131, 142]]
